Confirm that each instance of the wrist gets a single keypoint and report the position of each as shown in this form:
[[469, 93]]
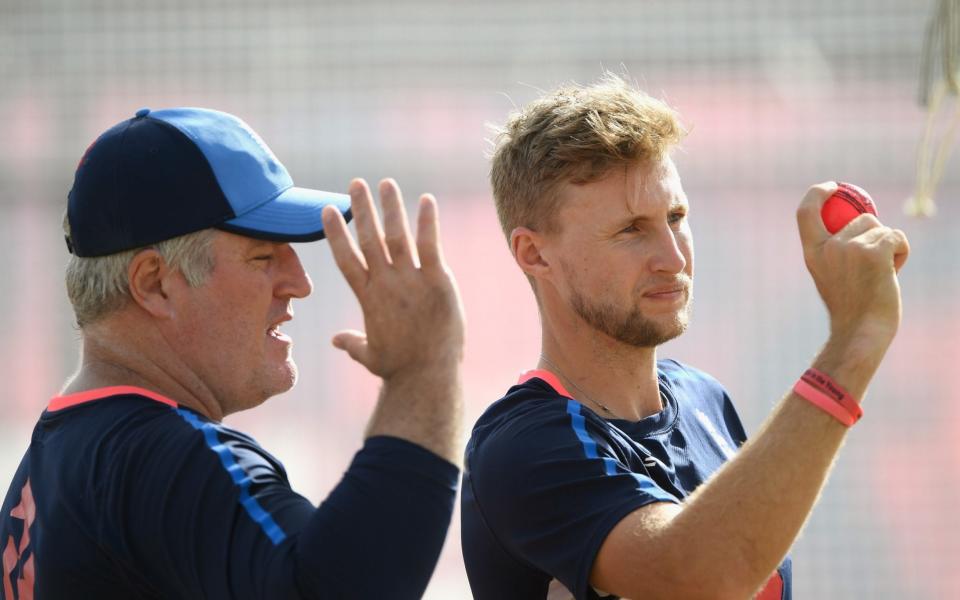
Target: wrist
[[436, 373], [864, 335], [822, 391], [423, 406], [852, 360]]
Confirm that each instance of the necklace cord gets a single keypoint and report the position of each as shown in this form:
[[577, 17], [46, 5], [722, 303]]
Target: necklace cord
[[602, 406]]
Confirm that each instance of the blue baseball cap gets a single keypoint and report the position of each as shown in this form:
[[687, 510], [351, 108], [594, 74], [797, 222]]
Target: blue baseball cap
[[166, 173]]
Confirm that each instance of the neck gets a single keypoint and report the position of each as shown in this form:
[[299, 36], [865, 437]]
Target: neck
[[613, 379], [144, 361]]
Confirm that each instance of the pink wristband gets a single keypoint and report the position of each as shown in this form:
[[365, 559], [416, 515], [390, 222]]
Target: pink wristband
[[824, 393]]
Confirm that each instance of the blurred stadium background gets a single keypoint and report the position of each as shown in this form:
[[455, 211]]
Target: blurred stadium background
[[778, 94]]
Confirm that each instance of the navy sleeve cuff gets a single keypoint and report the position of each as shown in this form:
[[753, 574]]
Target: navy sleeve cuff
[[404, 455], [380, 531]]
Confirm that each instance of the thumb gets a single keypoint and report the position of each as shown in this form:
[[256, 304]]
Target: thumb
[[812, 230], [354, 343]]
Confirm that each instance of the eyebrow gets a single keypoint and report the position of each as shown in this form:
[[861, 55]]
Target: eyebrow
[[254, 244], [674, 206]]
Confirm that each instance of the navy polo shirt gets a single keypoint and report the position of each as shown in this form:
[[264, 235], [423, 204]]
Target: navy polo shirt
[[124, 494], [546, 479]]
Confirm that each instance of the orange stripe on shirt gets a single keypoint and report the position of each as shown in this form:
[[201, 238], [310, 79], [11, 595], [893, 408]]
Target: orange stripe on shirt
[[61, 402]]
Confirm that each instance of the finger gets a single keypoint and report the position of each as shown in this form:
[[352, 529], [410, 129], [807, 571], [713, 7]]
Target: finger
[[395, 225], [894, 243], [353, 343], [860, 225], [901, 250], [428, 233], [344, 248], [369, 234], [812, 230]]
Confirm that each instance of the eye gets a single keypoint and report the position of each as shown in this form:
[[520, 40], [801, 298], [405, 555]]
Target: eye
[[264, 257], [677, 216], [631, 228]]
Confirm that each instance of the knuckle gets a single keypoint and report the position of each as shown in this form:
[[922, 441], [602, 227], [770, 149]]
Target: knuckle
[[368, 240], [815, 193], [396, 239], [890, 235], [858, 248], [833, 244], [804, 209]]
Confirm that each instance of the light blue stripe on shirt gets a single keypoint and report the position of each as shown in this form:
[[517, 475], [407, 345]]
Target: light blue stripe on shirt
[[647, 485], [239, 476], [574, 408]]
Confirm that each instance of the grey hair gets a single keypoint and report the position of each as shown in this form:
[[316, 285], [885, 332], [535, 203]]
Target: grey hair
[[98, 285]]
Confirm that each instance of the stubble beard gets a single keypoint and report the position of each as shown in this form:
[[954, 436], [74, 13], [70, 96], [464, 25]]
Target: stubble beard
[[631, 326]]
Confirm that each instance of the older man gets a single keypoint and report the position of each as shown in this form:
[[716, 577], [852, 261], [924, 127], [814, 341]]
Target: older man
[[605, 471], [182, 275]]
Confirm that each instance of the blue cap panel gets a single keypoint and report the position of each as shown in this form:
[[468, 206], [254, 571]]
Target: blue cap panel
[[170, 172], [293, 216], [247, 170]]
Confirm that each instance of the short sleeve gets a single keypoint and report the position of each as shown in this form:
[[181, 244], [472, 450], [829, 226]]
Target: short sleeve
[[551, 485]]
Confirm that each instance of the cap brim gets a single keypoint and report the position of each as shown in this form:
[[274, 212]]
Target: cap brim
[[293, 216]]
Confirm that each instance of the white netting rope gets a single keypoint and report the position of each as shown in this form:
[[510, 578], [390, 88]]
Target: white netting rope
[[941, 48]]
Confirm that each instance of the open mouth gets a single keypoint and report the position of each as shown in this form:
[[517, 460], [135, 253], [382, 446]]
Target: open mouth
[[275, 333], [274, 329]]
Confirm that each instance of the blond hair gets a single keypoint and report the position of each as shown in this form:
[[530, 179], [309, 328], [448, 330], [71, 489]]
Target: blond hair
[[98, 285], [574, 134]]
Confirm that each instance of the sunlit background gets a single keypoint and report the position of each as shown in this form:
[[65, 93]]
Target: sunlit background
[[778, 95]]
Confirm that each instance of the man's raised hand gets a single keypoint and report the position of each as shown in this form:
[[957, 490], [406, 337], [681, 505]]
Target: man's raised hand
[[413, 315], [855, 269]]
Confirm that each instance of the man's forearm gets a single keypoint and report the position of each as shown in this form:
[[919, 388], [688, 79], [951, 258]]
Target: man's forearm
[[424, 407], [743, 520], [380, 531]]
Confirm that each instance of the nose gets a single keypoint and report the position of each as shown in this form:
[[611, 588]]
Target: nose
[[292, 279], [672, 251]]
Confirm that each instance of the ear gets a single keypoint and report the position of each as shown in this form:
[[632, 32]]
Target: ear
[[149, 279], [527, 246]]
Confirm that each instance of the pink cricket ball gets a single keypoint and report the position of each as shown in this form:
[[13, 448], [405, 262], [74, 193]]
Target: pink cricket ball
[[844, 205]]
